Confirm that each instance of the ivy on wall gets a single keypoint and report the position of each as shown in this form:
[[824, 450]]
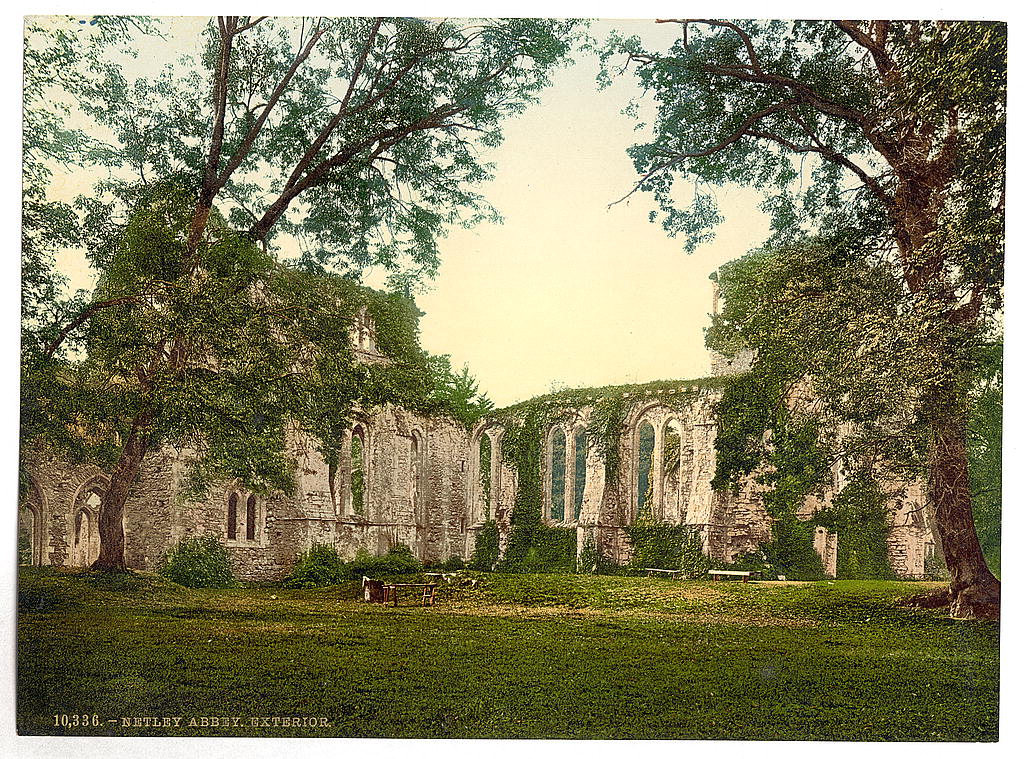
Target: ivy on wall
[[534, 545], [858, 515], [485, 550]]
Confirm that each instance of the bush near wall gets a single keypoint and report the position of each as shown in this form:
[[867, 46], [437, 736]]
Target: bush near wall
[[321, 566], [539, 548], [199, 563], [318, 567], [791, 552]]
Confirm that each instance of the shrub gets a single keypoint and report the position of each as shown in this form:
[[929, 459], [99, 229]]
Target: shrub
[[657, 545], [199, 563], [398, 561], [589, 560], [791, 549], [319, 566], [453, 564], [539, 548]]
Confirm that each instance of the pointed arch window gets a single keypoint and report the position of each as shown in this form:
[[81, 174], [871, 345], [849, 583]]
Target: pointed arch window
[[31, 528], [644, 467], [244, 517], [579, 481], [233, 516], [357, 471], [250, 518], [85, 534], [557, 464]]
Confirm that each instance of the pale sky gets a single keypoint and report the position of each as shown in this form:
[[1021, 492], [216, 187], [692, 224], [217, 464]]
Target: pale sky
[[569, 290]]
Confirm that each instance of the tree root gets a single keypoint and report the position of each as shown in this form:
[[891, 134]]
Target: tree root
[[979, 601], [934, 599]]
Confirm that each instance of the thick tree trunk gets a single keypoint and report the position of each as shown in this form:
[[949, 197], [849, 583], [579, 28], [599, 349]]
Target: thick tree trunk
[[111, 520], [974, 592]]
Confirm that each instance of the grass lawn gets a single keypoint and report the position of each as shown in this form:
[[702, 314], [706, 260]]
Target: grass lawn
[[515, 656]]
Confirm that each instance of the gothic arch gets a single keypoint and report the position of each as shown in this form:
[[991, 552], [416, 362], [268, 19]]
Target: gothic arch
[[357, 455], [84, 539], [576, 470], [245, 516], [32, 519], [672, 473], [418, 475], [556, 449], [483, 478]]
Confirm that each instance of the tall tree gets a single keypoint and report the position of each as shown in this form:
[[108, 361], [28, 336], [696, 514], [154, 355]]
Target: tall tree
[[358, 137], [880, 145]]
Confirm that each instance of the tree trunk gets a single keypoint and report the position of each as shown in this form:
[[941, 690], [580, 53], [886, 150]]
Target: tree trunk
[[111, 520], [974, 591]]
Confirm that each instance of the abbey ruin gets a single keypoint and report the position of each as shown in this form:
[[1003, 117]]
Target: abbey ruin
[[433, 485]]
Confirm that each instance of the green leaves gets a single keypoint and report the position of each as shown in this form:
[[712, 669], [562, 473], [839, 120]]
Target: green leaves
[[359, 137]]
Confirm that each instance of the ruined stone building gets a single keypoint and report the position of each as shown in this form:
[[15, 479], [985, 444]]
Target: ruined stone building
[[431, 484]]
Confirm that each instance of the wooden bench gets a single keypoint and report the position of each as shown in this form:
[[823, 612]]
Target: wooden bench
[[721, 574], [675, 574], [391, 592]]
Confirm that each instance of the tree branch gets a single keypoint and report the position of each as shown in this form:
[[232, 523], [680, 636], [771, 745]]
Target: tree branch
[[737, 135], [82, 317], [876, 48]]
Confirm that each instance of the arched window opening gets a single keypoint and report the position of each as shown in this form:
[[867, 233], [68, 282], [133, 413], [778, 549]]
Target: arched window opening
[[28, 531], [580, 472], [31, 526], [671, 471], [233, 516], [645, 456], [364, 332], [558, 476], [417, 473], [250, 518], [85, 536], [243, 517], [86, 547], [485, 476], [357, 481]]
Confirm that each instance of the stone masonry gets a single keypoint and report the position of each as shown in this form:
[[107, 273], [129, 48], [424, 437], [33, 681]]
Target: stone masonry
[[422, 487]]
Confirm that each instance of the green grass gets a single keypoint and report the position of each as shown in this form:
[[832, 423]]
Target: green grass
[[513, 656]]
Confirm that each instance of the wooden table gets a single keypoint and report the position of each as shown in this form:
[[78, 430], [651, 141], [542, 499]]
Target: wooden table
[[391, 591]]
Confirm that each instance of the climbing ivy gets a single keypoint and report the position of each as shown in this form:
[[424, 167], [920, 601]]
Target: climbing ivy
[[485, 550], [533, 545], [858, 514]]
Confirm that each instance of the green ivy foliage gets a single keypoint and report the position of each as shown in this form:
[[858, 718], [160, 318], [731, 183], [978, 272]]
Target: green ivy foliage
[[534, 546], [791, 552], [858, 515], [485, 550], [609, 406]]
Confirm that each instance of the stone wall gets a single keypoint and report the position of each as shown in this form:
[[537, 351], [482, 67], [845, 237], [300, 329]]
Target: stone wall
[[416, 500], [422, 489], [730, 524]]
